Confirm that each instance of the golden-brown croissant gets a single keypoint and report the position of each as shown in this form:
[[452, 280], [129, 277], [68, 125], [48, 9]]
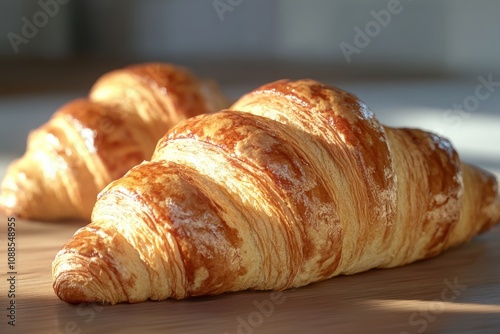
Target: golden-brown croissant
[[302, 183], [90, 142]]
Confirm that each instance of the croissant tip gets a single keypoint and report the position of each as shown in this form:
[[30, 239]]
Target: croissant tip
[[496, 200], [71, 293], [16, 196], [74, 288], [8, 202], [497, 206], [72, 283]]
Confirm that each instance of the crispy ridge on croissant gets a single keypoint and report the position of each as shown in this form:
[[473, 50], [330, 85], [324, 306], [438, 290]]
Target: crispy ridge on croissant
[[90, 142], [298, 184]]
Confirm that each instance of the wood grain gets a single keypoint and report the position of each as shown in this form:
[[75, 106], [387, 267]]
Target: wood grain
[[456, 292]]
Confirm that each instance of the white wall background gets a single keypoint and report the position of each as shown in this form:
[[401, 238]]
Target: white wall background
[[461, 36]]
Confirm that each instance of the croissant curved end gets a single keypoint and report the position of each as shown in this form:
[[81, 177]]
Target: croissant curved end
[[497, 202], [77, 280], [8, 200], [27, 196], [11, 189], [99, 266]]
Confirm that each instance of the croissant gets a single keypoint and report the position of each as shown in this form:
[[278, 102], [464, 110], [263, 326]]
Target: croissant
[[297, 183], [90, 142]]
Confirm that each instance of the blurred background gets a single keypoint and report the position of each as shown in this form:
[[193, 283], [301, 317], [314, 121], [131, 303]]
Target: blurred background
[[429, 64]]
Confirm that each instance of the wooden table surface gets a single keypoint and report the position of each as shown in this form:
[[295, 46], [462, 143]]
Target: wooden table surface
[[456, 292]]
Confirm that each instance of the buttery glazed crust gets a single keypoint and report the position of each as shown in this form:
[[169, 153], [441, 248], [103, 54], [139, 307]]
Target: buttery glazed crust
[[90, 142], [296, 184]]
